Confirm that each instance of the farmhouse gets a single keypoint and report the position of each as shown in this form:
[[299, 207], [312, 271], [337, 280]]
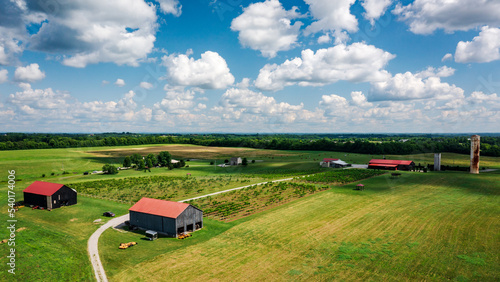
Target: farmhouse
[[336, 163], [391, 164], [49, 195], [235, 161], [169, 218]]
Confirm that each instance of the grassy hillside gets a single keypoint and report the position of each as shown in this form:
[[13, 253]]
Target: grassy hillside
[[52, 246], [420, 226]]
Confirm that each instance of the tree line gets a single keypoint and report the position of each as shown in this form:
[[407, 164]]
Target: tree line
[[350, 143]]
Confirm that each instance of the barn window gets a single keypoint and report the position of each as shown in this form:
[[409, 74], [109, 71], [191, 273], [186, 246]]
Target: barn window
[[54, 201], [189, 227], [59, 197]]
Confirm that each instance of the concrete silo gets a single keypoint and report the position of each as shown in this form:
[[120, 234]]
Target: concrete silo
[[474, 154]]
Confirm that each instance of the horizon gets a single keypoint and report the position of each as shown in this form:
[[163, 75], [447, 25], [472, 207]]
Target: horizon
[[489, 134]]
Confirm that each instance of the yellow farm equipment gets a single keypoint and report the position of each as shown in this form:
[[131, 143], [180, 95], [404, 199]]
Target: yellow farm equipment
[[126, 245], [183, 236]]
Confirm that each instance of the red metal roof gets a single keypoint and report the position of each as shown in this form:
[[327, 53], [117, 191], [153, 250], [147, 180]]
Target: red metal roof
[[329, 159], [159, 207], [390, 162], [43, 188], [384, 165]]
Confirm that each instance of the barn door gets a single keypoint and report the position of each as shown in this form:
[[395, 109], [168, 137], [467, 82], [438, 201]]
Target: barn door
[[49, 202]]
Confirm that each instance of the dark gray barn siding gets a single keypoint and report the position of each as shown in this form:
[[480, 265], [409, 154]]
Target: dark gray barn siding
[[64, 196], [35, 199], [146, 221], [170, 226], [189, 216]]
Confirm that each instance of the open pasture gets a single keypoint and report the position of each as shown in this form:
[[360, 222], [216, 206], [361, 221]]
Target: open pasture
[[420, 226], [52, 246]]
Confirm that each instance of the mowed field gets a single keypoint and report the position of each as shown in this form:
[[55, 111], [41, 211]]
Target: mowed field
[[420, 226]]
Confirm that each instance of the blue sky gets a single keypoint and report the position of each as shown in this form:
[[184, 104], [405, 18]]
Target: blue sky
[[311, 66]]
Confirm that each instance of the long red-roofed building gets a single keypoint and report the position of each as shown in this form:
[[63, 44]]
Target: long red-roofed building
[[391, 164], [49, 195], [169, 218]]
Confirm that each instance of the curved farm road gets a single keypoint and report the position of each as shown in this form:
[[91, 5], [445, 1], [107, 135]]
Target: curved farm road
[[92, 246]]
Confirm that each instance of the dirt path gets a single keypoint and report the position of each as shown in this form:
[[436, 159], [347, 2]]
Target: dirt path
[[92, 246]]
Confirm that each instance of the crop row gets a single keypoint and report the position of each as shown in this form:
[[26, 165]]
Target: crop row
[[341, 176], [244, 202], [133, 189]]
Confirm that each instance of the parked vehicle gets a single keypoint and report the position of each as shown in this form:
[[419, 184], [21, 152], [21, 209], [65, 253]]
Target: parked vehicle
[[151, 235], [108, 214]]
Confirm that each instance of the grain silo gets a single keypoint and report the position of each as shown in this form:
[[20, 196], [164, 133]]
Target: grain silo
[[474, 154]]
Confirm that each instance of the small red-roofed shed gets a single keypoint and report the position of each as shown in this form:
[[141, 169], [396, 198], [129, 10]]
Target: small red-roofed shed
[[49, 195], [169, 218]]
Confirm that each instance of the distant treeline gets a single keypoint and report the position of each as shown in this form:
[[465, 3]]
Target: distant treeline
[[350, 143]]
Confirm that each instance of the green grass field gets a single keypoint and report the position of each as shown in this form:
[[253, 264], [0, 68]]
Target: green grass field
[[420, 226], [52, 246]]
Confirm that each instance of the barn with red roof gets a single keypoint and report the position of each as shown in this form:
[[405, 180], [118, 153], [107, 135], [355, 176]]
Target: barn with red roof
[[49, 195], [169, 218], [391, 164]]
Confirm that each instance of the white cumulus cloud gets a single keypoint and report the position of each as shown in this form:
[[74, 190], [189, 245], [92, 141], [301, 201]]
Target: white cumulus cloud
[[332, 16], [359, 99], [94, 31], [334, 105], [208, 72], [30, 73], [13, 33], [47, 101], [177, 101], [146, 85], [375, 9], [267, 27], [422, 85], [425, 16], [170, 7], [120, 82], [3, 76], [355, 63], [482, 49], [247, 105], [446, 57]]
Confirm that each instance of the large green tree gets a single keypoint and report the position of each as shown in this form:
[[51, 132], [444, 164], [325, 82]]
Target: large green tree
[[135, 159], [127, 162], [141, 164], [109, 169], [164, 159]]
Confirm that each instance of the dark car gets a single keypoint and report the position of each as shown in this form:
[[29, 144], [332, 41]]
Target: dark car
[[109, 214]]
